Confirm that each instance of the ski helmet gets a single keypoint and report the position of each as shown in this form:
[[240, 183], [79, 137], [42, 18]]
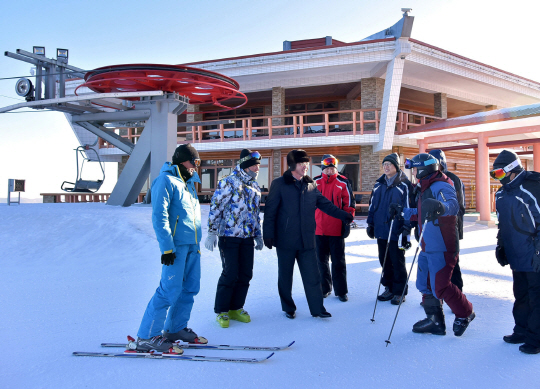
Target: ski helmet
[[439, 155], [424, 163]]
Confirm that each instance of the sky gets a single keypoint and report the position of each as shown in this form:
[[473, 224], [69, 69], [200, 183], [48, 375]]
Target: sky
[[38, 146]]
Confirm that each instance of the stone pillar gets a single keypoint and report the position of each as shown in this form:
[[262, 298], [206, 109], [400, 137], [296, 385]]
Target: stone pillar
[[122, 164], [276, 164], [372, 93], [278, 108], [345, 105], [371, 166], [193, 118], [440, 105]]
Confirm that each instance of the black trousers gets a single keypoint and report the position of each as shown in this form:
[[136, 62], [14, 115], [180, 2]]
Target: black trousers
[[309, 270], [456, 279], [527, 306], [394, 272], [334, 247], [237, 262]]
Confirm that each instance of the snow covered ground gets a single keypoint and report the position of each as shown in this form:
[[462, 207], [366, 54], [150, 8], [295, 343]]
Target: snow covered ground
[[75, 275]]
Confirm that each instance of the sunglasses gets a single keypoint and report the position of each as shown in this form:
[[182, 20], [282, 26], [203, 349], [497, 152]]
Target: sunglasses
[[253, 155], [499, 174], [330, 161]]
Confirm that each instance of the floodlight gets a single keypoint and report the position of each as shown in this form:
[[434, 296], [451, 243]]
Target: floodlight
[[406, 11], [24, 88], [62, 53], [39, 50]]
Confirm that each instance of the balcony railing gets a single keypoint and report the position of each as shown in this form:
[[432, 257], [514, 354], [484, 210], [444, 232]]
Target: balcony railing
[[330, 123]]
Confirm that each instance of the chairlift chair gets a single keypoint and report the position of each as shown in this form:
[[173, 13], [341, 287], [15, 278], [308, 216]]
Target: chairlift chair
[[80, 185]]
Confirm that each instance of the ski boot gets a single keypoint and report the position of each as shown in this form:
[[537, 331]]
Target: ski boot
[[186, 335], [434, 322], [396, 300], [514, 338], [223, 319], [529, 349], [239, 315], [461, 324], [158, 344]]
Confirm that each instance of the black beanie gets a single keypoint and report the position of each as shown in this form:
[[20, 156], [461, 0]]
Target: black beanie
[[505, 158], [183, 153], [249, 162], [296, 156], [392, 158]]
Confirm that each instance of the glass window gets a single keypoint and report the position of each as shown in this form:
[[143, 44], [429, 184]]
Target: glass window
[[352, 172], [208, 162], [348, 158], [262, 178], [316, 170], [315, 107], [223, 172], [331, 105], [208, 178]]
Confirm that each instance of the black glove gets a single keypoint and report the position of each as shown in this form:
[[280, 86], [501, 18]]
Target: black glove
[[417, 233], [404, 230], [501, 256], [268, 242], [432, 209], [394, 210], [405, 244], [168, 259], [370, 231], [348, 219]]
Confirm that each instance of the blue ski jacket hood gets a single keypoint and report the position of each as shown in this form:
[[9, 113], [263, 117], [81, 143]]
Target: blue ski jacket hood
[[176, 213]]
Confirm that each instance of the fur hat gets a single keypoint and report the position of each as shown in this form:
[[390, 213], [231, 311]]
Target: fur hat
[[296, 156]]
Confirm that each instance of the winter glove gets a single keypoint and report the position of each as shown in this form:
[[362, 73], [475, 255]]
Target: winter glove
[[370, 231], [395, 210], [345, 230], [417, 233], [404, 230], [348, 218], [405, 244], [269, 242], [211, 240], [433, 209], [168, 259], [258, 243], [501, 256]]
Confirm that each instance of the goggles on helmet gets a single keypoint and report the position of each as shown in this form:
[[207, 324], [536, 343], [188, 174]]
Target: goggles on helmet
[[499, 174], [409, 163], [330, 161], [253, 155]]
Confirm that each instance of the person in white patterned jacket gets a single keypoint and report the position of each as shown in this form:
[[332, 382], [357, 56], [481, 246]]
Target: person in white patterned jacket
[[234, 221]]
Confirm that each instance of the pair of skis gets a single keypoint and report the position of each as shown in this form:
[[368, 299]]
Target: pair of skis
[[134, 354]]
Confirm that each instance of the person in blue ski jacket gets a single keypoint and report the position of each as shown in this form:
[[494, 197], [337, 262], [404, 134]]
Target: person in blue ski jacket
[[438, 208], [176, 218], [392, 187], [518, 244]]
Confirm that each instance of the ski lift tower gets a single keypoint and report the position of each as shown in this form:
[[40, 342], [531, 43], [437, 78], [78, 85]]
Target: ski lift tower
[[152, 93]]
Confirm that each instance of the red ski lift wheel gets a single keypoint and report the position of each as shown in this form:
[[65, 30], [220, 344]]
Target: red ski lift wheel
[[200, 86]]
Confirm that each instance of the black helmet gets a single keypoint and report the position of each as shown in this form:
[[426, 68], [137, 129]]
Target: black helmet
[[424, 163], [439, 155]]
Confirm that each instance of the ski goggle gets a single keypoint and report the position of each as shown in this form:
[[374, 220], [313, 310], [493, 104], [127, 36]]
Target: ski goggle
[[499, 174], [330, 161], [409, 163], [253, 155], [196, 162]]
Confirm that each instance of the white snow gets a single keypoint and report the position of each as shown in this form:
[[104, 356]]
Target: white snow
[[75, 275]]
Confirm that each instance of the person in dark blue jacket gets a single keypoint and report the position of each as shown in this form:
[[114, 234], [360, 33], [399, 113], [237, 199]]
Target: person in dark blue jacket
[[392, 187], [438, 205], [518, 244]]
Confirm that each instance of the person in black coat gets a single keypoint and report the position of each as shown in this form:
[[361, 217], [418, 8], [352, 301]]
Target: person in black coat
[[289, 225]]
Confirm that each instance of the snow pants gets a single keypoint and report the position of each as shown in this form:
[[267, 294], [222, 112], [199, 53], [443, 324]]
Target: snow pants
[[237, 262], [170, 307], [394, 272], [527, 306], [334, 247], [433, 278], [309, 270]]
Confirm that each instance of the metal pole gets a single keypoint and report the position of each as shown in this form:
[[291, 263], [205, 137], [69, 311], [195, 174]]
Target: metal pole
[[407, 283], [39, 73], [382, 271]]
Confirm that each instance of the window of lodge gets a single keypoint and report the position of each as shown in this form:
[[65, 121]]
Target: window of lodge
[[212, 171]]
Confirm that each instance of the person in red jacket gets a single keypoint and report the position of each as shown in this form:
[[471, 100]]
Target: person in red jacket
[[329, 233]]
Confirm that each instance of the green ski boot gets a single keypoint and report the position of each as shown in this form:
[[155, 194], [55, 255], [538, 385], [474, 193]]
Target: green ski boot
[[223, 320], [240, 315]]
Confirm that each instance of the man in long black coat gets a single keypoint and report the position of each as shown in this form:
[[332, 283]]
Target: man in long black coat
[[289, 225]]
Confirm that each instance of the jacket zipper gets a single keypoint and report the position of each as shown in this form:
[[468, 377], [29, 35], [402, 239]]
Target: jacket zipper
[[191, 201], [174, 232]]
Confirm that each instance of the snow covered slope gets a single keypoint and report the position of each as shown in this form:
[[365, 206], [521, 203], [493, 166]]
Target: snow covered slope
[[75, 275]]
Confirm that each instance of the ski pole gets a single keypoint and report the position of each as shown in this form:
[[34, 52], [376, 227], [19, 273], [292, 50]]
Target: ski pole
[[382, 271], [407, 283]]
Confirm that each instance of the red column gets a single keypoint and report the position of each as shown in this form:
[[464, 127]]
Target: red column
[[482, 179], [536, 156], [422, 146]]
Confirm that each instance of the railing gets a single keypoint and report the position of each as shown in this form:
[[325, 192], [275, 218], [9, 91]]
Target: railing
[[329, 123], [78, 197]]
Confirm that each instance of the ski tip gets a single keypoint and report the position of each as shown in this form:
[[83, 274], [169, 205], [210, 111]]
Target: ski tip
[[130, 338], [290, 344], [268, 357]]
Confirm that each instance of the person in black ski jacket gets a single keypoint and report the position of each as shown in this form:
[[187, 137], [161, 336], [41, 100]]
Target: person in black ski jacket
[[289, 225], [518, 244], [457, 279]]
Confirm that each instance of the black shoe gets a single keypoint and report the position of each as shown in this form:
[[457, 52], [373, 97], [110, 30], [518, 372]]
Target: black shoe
[[430, 325], [528, 349], [343, 298], [323, 314], [290, 315], [461, 324], [397, 299], [514, 338], [386, 295], [325, 295]]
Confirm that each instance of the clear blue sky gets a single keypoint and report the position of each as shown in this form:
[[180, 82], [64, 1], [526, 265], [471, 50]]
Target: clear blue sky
[[38, 146]]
